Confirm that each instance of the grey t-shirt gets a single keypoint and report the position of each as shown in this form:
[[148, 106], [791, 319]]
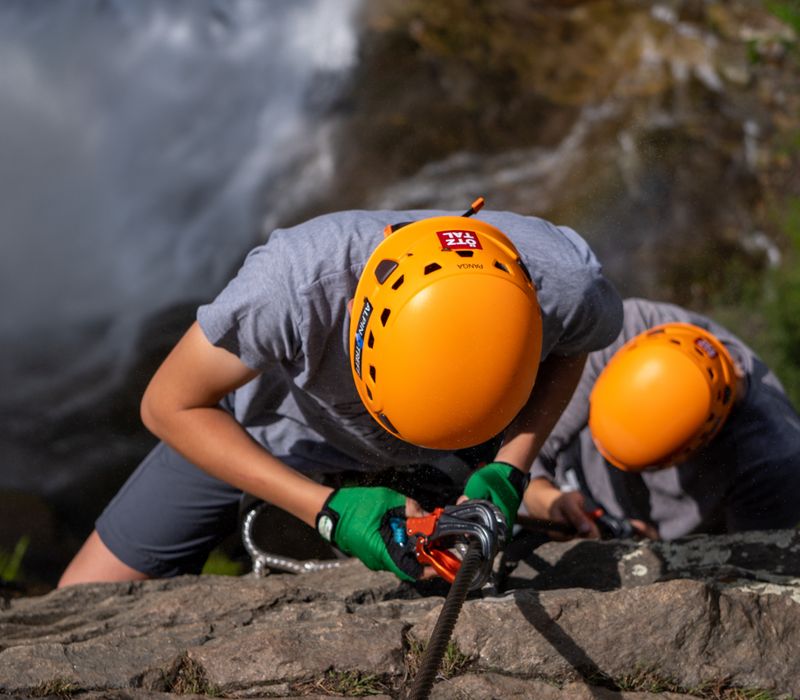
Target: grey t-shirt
[[285, 313], [747, 479]]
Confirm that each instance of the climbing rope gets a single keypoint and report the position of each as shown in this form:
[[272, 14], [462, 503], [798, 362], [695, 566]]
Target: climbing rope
[[446, 622]]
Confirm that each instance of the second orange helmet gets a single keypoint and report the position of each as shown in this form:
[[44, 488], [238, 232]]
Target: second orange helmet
[[663, 395]]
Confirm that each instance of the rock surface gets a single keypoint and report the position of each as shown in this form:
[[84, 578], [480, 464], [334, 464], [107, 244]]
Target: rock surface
[[709, 617]]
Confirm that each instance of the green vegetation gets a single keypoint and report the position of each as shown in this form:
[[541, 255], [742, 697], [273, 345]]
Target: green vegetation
[[56, 688], [220, 564], [345, 683], [11, 562], [765, 313], [786, 10], [763, 308], [453, 662], [189, 678], [649, 680], [781, 308]]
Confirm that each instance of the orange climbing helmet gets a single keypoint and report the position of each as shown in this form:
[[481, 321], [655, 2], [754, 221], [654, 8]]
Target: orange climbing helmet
[[663, 395], [445, 332]]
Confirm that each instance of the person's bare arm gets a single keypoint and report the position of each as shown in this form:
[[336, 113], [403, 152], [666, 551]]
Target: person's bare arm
[[524, 437], [555, 383], [180, 406], [558, 376]]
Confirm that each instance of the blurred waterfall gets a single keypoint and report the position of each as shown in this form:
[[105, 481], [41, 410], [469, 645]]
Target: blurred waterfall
[[141, 145]]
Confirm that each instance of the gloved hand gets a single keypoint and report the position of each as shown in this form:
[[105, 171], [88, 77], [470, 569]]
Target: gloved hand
[[501, 484], [357, 520]]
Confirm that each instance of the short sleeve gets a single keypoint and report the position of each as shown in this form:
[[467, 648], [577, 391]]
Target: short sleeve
[[256, 317], [589, 306]]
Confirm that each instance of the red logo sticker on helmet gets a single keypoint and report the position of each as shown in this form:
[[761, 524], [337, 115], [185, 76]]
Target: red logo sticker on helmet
[[459, 240], [707, 347]]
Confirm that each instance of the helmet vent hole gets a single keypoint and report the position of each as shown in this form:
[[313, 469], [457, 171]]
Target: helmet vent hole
[[369, 392], [371, 340], [372, 372], [385, 316], [465, 253], [396, 227], [726, 396], [500, 266], [398, 282], [525, 269], [386, 423], [674, 341], [384, 269], [710, 373], [432, 267]]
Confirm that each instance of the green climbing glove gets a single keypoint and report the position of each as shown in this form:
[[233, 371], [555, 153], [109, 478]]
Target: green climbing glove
[[361, 521], [501, 484]]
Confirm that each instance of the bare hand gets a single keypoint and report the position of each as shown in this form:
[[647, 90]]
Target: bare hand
[[645, 529], [546, 501], [414, 509]]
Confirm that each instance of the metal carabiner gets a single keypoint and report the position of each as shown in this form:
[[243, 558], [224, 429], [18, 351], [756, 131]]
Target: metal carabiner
[[452, 528], [263, 561]]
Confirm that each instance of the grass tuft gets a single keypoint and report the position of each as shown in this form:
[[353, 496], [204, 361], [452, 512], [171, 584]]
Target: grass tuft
[[220, 564], [56, 687], [189, 678], [788, 11], [343, 683], [11, 562], [454, 661], [650, 680]]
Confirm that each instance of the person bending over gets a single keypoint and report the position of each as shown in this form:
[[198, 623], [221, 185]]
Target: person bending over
[[359, 342], [677, 426]]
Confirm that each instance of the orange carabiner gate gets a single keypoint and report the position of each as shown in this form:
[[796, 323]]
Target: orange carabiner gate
[[444, 563], [437, 534]]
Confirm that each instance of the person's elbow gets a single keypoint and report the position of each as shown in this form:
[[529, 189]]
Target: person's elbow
[[153, 410]]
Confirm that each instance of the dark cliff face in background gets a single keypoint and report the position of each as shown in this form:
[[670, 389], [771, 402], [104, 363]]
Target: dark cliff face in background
[[153, 145], [658, 130]]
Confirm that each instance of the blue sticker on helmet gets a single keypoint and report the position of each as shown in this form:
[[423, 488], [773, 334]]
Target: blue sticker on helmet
[[361, 330]]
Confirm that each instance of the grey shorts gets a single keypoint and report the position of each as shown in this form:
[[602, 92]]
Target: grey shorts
[[169, 515]]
